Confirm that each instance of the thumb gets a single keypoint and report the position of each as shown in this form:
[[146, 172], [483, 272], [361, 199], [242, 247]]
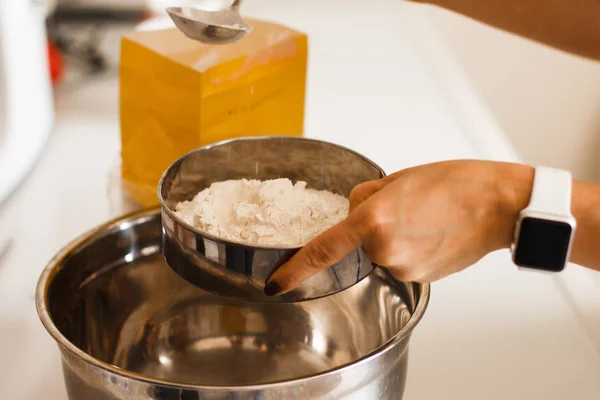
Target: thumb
[[363, 191], [322, 252]]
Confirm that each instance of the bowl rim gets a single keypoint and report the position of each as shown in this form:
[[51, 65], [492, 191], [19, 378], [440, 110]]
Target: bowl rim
[[55, 264], [217, 239]]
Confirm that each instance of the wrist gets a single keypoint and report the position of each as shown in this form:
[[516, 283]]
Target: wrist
[[514, 185]]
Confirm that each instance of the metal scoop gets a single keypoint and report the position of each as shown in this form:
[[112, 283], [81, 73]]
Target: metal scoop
[[211, 27]]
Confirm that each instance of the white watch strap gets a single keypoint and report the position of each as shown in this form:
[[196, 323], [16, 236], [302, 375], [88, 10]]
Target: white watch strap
[[551, 191]]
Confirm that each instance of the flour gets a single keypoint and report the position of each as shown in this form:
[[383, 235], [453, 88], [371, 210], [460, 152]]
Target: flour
[[270, 213]]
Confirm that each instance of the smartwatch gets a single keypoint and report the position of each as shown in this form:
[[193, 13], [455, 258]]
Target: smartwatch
[[545, 228]]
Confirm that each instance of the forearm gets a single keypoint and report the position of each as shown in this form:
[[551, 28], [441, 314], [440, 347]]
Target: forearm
[[570, 25], [515, 183], [586, 208]]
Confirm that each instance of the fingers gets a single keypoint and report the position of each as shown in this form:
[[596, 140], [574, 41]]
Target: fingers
[[321, 253], [328, 248]]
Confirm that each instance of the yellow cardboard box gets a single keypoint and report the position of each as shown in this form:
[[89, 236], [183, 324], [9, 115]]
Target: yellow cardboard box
[[177, 94]]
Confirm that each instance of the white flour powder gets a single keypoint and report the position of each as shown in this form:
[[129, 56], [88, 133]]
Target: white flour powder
[[272, 213]]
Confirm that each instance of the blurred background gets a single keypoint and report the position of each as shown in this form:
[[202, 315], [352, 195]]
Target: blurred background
[[546, 101], [537, 94]]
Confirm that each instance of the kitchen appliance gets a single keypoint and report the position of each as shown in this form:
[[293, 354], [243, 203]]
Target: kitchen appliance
[[128, 327], [26, 101], [238, 270]]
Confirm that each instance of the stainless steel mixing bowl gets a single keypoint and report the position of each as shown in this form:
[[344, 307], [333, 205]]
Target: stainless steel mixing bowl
[[237, 270], [129, 328]]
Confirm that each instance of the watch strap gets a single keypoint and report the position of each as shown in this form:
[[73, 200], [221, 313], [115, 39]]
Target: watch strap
[[551, 192]]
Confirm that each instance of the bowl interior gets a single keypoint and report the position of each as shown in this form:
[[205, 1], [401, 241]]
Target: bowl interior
[[321, 165], [114, 297]]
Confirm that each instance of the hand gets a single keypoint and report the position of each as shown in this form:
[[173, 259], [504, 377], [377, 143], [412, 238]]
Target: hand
[[422, 223]]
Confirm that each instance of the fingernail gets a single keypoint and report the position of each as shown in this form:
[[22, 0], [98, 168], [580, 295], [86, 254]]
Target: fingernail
[[272, 289]]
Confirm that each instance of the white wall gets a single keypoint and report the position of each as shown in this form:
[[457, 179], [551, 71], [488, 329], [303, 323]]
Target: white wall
[[546, 101]]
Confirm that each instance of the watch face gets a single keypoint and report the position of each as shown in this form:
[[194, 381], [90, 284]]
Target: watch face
[[543, 244]]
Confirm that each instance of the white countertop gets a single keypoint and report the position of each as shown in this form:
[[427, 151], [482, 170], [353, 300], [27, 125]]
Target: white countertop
[[490, 332]]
